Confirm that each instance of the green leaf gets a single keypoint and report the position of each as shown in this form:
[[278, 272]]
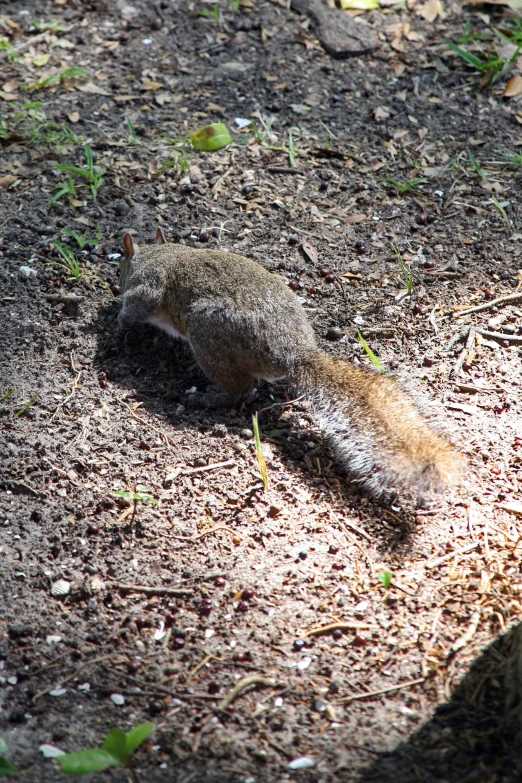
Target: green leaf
[[211, 137], [370, 354], [137, 735], [360, 5], [385, 578], [6, 768], [86, 761], [116, 745], [471, 59]]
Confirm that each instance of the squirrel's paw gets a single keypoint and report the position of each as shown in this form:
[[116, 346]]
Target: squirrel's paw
[[207, 401]]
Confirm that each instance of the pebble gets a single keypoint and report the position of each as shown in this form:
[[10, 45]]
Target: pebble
[[334, 333], [117, 699], [247, 434], [239, 447], [200, 462], [60, 588], [122, 208], [26, 272], [303, 762], [304, 664]]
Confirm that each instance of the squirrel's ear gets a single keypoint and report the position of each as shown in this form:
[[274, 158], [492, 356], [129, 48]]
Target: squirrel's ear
[[160, 237], [129, 245]]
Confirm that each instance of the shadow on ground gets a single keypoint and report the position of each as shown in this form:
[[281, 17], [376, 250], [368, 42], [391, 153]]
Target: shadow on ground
[[473, 738]]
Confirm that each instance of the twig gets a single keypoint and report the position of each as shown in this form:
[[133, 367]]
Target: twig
[[502, 300], [246, 682], [280, 404], [461, 551], [213, 530], [341, 626], [457, 338], [470, 633], [147, 424], [171, 477], [391, 688], [511, 338], [75, 674], [208, 657], [462, 356], [146, 590]]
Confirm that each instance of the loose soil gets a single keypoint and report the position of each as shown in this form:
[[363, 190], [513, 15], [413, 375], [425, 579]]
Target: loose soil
[[169, 604]]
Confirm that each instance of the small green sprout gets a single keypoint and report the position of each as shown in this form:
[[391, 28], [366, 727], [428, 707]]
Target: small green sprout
[[80, 239], [28, 404], [475, 165], [501, 209], [91, 176], [136, 497], [115, 751], [408, 277], [6, 768], [291, 147], [370, 354], [404, 187], [9, 393], [132, 131], [386, 579]]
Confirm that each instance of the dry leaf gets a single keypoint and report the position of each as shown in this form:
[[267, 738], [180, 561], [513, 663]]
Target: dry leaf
[[381, 113], [357, 218], [149, 85], [431, 10], [513, 87], [74, 116], [7, 96], [10, 86], [93, 88], [309, 252], [6, 181]]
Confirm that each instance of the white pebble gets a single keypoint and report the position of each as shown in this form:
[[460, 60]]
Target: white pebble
[[51, 751], [304, 664], [304, 762], [117, 699]]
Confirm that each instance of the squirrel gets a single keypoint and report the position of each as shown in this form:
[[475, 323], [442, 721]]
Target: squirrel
[[244, 324]]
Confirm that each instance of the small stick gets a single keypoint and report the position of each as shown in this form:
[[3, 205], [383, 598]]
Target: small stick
[[502, 300], [462, 356], [75, 674], [146, 590], [391, 688], [470, 633], [246, 682], [457, 338], [341, 626], [283, 170], [147, 424], [229, 463], [213, 530], [208, 657], [512, 338], [462, 551]]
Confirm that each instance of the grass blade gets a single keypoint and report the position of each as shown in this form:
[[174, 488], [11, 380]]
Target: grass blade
[[259, 452]]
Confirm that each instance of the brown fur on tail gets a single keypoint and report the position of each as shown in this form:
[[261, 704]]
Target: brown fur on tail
[[375, 430]]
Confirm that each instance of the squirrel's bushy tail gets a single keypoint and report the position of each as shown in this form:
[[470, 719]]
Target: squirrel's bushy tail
[[375, 430]]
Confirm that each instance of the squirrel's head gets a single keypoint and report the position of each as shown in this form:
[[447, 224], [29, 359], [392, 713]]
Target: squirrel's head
[[132, 250]]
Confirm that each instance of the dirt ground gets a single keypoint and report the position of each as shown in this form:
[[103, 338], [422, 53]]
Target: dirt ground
[[115, 614]]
